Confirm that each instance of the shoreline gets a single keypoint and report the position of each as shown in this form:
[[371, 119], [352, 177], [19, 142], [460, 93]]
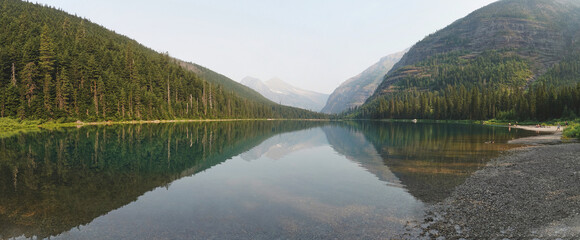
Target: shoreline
[[529, 192], [546, 129], [80, 123], [550, 135], [14, 127]]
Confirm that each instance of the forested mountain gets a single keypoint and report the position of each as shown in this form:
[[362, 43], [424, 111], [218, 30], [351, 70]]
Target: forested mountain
[[513, 59], [57, 66], [355, 91], [283, 93], [228, 84]]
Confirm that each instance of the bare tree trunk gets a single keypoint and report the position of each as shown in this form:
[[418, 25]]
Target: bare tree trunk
[[210, 98], [13, 79], [168, 93], [96, 98], [204, 101]]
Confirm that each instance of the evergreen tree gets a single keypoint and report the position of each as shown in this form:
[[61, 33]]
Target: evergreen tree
[[46, 66], [67, 67]]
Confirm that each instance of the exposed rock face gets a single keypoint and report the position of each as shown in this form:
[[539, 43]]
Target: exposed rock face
[[283, 93], [541, 31], [355, 91]]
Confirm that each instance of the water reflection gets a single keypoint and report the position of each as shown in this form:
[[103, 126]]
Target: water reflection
[[234, 180], [53, 181], [431, 159], [279, 146]]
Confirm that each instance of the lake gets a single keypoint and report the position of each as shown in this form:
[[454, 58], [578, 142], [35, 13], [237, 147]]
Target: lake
[[236, 180]]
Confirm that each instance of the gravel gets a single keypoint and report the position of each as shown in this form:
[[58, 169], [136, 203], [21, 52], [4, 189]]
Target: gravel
[[527, 193]]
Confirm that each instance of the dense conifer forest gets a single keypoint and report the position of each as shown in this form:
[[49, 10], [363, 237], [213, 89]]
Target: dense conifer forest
[[511, 60], [492, 85], [57, 66]]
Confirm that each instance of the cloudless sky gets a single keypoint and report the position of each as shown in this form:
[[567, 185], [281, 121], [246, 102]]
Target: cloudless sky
[[312, 44]]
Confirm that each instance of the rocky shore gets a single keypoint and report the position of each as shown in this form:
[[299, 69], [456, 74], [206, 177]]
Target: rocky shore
[[531, 192]]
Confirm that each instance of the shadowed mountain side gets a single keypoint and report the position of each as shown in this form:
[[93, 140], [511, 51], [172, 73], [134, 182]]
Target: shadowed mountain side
[[54, 181], [355, 91], [279, 146], [352, 143]]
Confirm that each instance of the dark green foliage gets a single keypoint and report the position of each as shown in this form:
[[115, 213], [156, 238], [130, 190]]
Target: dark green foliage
[[228, 84], [539, 103], [513, 59], [490, 69], [572, 131], [566, 72], [67, 67], [459, 85]]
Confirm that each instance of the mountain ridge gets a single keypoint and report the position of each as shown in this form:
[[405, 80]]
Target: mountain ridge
[[228, 83], [512, 59], [539, 30], [355, 91], [283, 93], [56, 66]]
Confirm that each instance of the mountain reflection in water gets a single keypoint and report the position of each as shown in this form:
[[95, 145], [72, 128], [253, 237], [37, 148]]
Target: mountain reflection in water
[[248, 179]]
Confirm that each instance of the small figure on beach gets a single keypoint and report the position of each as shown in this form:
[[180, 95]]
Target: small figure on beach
[[566, 123], [510, 124], [558, 129], [516, 123]]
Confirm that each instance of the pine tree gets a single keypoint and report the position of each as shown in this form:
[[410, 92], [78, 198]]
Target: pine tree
[[29, 82], [63, 89], [65, 66], [46, 65]]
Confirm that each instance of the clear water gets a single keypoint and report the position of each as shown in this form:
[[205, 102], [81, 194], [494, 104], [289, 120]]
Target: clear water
[[235, 180]]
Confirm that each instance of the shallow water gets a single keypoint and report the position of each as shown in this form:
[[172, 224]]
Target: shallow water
[[235, 180]]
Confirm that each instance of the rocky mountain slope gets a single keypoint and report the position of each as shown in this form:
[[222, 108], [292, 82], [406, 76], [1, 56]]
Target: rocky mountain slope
[[541, 33], [513, 59], [355, 91], [283, 93]]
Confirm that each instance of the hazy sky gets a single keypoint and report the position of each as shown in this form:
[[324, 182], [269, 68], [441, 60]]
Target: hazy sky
[[312, 44]]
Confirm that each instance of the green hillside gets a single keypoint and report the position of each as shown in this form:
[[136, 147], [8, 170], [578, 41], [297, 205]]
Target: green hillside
[[513, 59], [57, 66], [228, 84]]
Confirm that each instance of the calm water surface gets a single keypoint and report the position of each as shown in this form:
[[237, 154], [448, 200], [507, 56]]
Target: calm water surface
[[235, 180]]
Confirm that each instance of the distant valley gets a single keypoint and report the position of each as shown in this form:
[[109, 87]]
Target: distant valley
[[283, 93]]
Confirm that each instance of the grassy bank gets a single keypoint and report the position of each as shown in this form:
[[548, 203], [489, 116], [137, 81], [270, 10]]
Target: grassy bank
[[11, 127], [572, 131]]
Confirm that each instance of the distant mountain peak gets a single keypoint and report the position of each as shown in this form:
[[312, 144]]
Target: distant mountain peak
[[282, 92]]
